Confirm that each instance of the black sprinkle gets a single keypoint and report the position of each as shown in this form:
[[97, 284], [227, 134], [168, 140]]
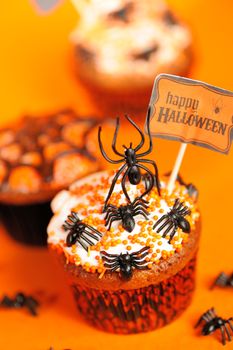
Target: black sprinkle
[[85, 53], [122, 14], [146, 54], [169, 18]]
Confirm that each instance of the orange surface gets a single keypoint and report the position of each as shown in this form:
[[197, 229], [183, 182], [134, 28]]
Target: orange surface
[[35, 77]]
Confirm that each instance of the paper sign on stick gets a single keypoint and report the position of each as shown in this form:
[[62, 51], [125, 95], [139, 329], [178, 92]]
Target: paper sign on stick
[[191, 111]]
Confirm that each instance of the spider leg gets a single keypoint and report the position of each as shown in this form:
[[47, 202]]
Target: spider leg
[[123, 185], [172, 234], [185, 212], [212, 312], [115, 139], [141, 205], [164, 217], [201, 319], [168, 229], [227, 332], [229, 322], [111, 206], [93, 230], [167, 222], [107, 255], [156, 181], [139, 267], [113, 218], [115, 268], [219, 281], [104, 154], [138, 253], [222, 329], [91, 235], [149, 134], [141, 257], [139, 262], [111, 266], [140, 132], [142, 209], [140, 212], [109, 214], [152, 178], [177, 205], [83, 245], [88, 241], [113, 185]]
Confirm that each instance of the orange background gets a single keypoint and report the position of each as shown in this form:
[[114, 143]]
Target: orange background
[[35, 77]]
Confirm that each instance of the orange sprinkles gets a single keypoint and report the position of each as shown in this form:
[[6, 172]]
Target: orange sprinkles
[[90, 212]]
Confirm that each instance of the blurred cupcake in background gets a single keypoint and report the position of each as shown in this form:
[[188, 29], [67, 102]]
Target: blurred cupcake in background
[[121, 45], [38, 157]]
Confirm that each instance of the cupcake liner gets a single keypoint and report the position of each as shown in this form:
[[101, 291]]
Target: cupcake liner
[[138, 310], [27, 223]]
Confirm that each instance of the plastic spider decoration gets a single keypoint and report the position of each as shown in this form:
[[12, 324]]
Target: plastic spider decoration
[[214, 322], [126, 214], [223, 280], [19, 301], [126, 262], [80, 232], [173, 219], [191, 189], [133, 162]]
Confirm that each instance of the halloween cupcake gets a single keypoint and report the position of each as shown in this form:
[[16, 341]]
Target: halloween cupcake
[[120, 45], [129, 247], [39, 156]]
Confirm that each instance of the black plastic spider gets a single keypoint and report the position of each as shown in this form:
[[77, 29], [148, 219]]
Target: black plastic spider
[[132, 161], [223, 280], [174, 219], [80, 232], [125, 262], [19, 301], [125, 213], [214, 322]]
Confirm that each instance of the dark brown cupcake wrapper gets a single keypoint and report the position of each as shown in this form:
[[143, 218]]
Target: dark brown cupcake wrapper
[[27, 223], [138, 310]]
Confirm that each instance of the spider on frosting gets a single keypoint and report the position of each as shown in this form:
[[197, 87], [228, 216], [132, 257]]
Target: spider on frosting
[[173, 219], [126, 214], [126, 262], [80, 232]]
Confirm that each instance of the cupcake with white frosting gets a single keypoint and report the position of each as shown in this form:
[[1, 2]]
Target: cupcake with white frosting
[[129, 249], [120, 46]]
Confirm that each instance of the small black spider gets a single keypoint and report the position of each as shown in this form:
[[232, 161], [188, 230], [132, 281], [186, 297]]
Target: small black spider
[[132, 161], [125, 262], [19, 301], [174, 219], [80, 232], [223, 280], [192, 190], [123, 13], [125, 213], [214, 322]]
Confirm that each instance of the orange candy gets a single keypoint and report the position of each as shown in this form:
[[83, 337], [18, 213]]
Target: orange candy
[[24, 179]]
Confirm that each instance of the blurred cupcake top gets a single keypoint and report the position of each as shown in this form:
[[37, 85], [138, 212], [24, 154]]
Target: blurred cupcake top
[[97, 241], [126, 37], [41, 155]]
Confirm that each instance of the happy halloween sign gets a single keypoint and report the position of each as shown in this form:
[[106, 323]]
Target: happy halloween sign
[[191, 111]]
